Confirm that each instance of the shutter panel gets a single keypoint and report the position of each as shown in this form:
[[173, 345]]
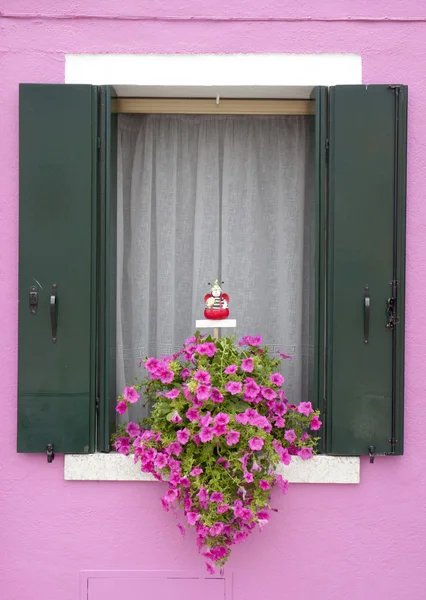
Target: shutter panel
[[57, 246], [108, 267], [366, 235]]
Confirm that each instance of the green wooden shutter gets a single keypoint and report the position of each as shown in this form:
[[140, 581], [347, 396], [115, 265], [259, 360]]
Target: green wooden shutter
[[107, 267], [366, 247], [57, 246]]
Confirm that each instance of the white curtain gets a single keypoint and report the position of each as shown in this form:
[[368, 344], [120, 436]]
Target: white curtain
[[214, 197]]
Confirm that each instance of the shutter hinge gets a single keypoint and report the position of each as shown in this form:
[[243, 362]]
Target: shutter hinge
[[372, 453], [391, 312], [97, 404], [99, 142], [327, 149]]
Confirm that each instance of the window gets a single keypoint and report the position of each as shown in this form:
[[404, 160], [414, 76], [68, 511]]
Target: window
[[349, 180], [202, 197]]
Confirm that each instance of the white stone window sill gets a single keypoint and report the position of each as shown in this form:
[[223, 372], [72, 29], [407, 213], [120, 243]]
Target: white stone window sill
[[116, 467]]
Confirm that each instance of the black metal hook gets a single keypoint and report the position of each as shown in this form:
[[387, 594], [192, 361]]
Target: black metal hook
[[372, 453], [50, 453]]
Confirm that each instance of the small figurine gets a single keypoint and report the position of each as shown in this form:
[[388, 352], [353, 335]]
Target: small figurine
[[216, 303]]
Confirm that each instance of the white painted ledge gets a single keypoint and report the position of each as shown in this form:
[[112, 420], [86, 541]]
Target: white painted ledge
[[213, 324], [116, 467]]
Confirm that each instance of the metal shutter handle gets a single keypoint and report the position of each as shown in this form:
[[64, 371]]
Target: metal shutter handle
[[54, 312], [367, 306]]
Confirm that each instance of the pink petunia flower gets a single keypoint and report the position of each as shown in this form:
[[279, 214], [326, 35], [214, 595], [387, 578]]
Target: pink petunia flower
[[202, 495], [285, 456], [304, 437], [192, 414], [268, 393], [255, 466], [210, 568], [256, 443], [206, 434], [305, 408], [279, 422], [206, 419], [192, 517], [174, 448], [264, 484], [222, 418], [133, 429], [196, 471], [247, 365], [242, 418], [305, 453], [284, 355], [216, 396], [166, 375], [121, 407], [191, 340], [176, 418], [183, 436], [203, 392], [122, 445], [222, 509], [216, 529], [184, 482], [290, 436], [233, 437], [315, 423], [283, 483], [219, 429], [280, 408], [160, 460], [251, 389], [231, 370], [216, 497], [202, 377], [234, 387], [206, 349], [185, 374], [277, 379], [152, 365], [250, 340], [130, 394], [248, 477], [172, 394], [171, 496]]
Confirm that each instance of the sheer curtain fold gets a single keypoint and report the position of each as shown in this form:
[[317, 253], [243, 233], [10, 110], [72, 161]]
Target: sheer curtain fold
[[206, 197]]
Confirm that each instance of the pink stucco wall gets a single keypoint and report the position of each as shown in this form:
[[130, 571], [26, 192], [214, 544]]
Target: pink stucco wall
[[328, 542]]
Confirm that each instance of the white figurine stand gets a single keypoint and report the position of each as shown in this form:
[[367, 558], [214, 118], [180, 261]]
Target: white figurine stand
[[215, 325]]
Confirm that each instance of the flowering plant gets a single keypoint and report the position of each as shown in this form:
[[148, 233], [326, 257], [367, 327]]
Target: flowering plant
[[219, 426]]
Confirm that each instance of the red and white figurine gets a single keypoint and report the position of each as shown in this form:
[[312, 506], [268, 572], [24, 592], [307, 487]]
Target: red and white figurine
[[216, 303]]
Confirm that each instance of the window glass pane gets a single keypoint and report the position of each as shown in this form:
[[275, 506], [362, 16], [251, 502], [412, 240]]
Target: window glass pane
[[204, 197]]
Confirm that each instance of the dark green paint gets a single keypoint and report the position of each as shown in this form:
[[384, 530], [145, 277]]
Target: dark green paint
[[56, 380], [107, 268], [360, 252]]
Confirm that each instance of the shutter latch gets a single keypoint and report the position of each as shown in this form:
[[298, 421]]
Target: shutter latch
[[49, 452], [372, 453], [33, 297]]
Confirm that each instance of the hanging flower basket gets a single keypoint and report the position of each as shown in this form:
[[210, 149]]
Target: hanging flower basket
[[219, 426]]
